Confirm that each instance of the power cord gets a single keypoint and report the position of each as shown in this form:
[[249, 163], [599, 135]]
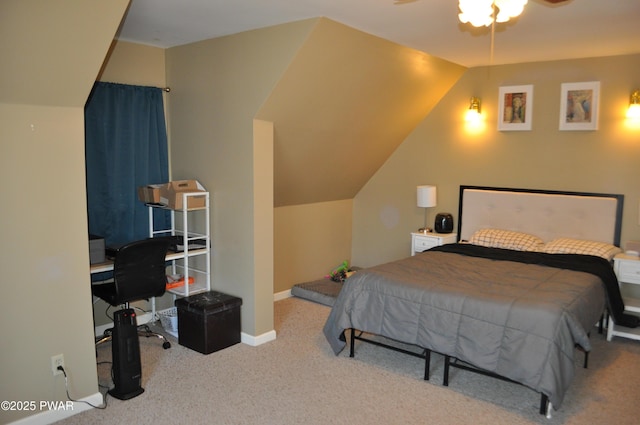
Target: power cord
[[106, 312], [102, 385], [66, 387]]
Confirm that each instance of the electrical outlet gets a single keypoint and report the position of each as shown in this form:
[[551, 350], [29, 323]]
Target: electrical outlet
[[55, 362]]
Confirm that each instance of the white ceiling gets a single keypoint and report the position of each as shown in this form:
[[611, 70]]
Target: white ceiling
[[571, 29]]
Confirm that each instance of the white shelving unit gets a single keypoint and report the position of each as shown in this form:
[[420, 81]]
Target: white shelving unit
[[627, 269], [193, 260]]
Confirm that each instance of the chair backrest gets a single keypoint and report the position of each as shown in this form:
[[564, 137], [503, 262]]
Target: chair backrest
[[139, 270]]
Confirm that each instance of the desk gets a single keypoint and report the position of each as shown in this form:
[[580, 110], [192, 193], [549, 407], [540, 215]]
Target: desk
[[181, 266], [107, 266]]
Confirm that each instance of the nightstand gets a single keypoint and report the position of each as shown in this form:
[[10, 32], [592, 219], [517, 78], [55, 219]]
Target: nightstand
[[423, 241], [627, 268]]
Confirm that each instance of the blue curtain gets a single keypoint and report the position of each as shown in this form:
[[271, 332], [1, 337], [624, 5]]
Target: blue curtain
[[125, 147]]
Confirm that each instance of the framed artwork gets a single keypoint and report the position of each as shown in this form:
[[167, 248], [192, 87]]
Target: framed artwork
[[579, 105], [515, 107]]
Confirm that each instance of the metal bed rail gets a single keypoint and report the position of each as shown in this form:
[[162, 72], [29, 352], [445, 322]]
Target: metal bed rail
[[426, 354], [449, 361]]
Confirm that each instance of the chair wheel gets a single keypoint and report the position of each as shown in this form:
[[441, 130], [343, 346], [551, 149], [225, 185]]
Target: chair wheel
[[166, 345]]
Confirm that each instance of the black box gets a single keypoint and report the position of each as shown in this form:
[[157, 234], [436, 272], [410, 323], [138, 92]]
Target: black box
[[96, 249], [209, 321]]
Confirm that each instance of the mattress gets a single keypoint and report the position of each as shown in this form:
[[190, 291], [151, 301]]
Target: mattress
[[518, 319]]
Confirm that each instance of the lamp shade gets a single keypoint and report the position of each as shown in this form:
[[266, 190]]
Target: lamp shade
[[426, 196]]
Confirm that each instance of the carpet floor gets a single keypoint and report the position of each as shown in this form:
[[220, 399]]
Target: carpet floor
[[297, 379]]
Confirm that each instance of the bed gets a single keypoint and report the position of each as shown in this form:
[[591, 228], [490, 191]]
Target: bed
[[511, 300]]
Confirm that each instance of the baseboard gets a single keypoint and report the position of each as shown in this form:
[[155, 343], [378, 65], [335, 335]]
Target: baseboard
[[254, 341], [282, 295], [64, 410], [268, 336]]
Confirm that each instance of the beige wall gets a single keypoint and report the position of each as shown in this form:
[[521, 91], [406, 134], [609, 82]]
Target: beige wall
[[344, 104], [310, 241], [52, 51], [136, 64], [444, 152], [46, 302], [263, 266], [45, 308], [217, 87]]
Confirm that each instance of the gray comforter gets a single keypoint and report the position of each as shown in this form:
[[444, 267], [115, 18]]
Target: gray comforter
[[518, 320]]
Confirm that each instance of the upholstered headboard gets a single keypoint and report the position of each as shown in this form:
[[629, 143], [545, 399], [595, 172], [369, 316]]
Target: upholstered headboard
[[546, 214]]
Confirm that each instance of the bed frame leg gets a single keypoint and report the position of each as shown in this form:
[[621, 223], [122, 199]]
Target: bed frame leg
[[427, 363], [445, 374], [545, 406], [601, 324], [586, 354], [353, 343]]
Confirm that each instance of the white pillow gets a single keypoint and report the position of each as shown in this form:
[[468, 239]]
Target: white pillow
[[508, 239], [579, 246]]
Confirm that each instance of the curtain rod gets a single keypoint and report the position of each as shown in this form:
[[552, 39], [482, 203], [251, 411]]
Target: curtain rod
[[164, 89]]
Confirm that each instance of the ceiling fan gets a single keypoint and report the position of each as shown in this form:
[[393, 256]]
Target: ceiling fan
[[483, 13], [413, 1]]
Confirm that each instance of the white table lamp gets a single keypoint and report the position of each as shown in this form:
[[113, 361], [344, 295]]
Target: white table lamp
[[426, 196]]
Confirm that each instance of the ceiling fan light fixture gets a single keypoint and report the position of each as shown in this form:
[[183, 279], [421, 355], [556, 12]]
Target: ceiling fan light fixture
[[509, 9], [478, 13], [481, 12]]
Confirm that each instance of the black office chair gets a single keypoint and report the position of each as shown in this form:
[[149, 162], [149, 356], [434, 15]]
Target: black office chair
[[138, 274]]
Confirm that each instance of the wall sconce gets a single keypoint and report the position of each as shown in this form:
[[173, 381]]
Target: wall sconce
[[634, 105], [426, 195], [473, 113]]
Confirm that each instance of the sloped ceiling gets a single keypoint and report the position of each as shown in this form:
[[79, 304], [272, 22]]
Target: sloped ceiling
[[343, 106], [52, 50], [545, 31]]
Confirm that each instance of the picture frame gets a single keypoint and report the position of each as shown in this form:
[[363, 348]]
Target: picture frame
[[579, 106], [515, 108]]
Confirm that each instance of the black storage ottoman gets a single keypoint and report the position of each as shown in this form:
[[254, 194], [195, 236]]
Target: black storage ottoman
[[209, 321]]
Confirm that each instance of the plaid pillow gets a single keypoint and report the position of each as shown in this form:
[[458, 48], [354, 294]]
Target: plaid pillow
[[578, 246], [508, 239]]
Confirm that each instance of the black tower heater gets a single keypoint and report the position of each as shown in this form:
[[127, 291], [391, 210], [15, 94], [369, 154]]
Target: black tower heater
[[125, 348]]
